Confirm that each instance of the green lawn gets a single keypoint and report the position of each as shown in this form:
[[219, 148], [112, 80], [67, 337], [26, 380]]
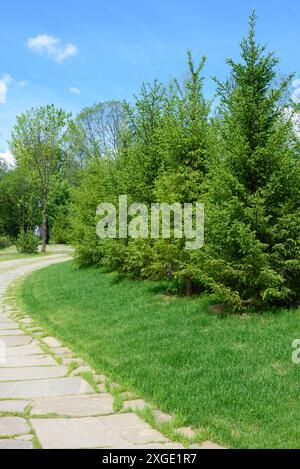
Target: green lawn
[[232, 377]]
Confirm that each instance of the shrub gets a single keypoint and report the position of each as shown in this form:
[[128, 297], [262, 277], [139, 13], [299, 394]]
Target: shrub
[[252, 256], [27, 242], [87, 196], [4, 242], [61, 229]]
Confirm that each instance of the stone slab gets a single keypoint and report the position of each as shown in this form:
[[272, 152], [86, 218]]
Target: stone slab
[[132, 428], [26, 321], [30, 360], [68, 360], [8, 326], [9, 443], [23, 350], [82, 369], [15, 341], [51, 342], [13, 406], [75, 433], [10, 332], [136, 404], [28, 373], [44, 388], [187, 432], [127, 396], [13, 426], [6, 320], [161, 417], [60, 350], [75, 406]]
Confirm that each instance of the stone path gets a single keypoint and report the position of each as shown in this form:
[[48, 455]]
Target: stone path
[[45, 400]]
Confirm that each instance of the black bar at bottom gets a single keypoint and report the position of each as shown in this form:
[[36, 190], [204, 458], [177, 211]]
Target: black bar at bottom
[[138, 458]]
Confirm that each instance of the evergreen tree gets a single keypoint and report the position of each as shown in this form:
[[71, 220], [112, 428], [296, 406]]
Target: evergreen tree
[[184, 141], [251, 256], [139, 157], [97, 185]]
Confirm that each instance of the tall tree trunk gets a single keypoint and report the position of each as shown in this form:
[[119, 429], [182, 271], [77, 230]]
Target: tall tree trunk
[[47, 231], [44, 239], [188, 286], [45, 220]]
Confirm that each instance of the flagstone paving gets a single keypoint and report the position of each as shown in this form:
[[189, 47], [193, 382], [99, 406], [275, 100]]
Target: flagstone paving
[[13, 406], [13, 426], [41, 395], [10, 329], [74, 406], [15, 444], [28, 360], [12, 340], [32, 372], [43, 388], [27, 350]]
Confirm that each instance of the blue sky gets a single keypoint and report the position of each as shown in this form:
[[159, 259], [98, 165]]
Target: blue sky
[[74, 54]]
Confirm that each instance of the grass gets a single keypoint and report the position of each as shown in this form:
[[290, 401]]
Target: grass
[[230, 377]]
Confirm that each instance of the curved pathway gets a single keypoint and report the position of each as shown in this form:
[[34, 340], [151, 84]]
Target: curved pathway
[[45, 400]]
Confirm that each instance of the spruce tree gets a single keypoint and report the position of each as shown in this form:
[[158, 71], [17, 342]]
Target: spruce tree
[[251, 256], [184, 137]]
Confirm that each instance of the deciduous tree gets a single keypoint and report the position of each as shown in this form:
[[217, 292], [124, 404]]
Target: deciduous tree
[[39, 146]]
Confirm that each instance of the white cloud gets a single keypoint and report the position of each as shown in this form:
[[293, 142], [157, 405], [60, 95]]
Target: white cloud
[[7, 157], [5, 80], [52, 47], [75, 90], [22, 83]]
